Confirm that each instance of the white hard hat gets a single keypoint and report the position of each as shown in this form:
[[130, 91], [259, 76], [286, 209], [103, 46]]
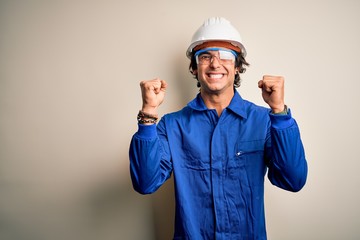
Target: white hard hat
[[216, 29]]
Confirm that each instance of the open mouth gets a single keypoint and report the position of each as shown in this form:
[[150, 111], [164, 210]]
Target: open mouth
[[215, 76]]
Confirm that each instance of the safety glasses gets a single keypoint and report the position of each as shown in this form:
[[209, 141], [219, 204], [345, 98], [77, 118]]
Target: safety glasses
[[224, 56]]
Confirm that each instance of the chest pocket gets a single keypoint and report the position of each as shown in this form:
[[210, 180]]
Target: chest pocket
[[248, 162], [195, 159], [248, 148], [195, 152]]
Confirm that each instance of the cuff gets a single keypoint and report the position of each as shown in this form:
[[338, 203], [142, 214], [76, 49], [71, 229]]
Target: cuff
[[147, 131], [281, 121]]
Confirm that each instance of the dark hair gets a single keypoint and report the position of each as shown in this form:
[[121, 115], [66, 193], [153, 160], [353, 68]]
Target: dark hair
[[240, 63]]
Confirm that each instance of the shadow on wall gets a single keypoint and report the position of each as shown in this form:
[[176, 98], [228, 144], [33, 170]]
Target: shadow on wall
[[106, 209], [163, 201], [163, 206], [118, 212], [184, 80]]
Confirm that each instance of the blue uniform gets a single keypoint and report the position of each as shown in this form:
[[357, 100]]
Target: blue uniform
[[219, 165]]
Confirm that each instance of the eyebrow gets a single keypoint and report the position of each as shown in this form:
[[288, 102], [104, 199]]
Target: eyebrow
[[205, 52]]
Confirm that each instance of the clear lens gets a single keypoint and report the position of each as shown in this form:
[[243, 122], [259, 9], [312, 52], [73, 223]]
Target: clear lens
[[206, 56], [225, 55]]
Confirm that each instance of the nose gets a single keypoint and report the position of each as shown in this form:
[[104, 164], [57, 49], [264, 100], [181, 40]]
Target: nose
[[215, 62]]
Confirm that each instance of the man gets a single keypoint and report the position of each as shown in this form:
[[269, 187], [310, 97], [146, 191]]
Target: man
[[218, 147]]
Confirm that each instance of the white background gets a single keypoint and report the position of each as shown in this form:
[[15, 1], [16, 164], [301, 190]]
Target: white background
[[69, 95]]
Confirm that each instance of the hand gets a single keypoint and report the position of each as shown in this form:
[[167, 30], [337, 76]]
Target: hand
[[273, 92], [153, 93]]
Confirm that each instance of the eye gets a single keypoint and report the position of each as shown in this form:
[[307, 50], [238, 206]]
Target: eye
[[205, 57]]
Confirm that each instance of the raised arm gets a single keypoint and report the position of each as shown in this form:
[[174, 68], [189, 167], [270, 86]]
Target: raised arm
[[150, 163], [285, 151]]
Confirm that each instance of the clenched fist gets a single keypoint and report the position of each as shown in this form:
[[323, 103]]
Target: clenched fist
[[153, 93], [273, 92]]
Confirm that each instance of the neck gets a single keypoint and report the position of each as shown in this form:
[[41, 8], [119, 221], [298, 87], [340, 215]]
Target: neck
[[217, 101]]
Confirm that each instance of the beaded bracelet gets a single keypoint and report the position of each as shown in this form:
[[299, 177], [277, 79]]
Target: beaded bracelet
[[142, 121], [143, 117], [143, 114]]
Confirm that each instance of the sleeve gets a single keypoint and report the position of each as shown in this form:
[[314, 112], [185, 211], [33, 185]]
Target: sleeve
[[285, 153], [150, 164]]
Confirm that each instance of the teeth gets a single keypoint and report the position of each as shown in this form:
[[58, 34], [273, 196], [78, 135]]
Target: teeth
[[216, 75]]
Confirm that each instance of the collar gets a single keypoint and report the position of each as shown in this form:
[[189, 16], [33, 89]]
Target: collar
[[237, 105]]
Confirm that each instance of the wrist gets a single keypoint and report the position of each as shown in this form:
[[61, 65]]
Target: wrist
[[149, 110], [277, 111]]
